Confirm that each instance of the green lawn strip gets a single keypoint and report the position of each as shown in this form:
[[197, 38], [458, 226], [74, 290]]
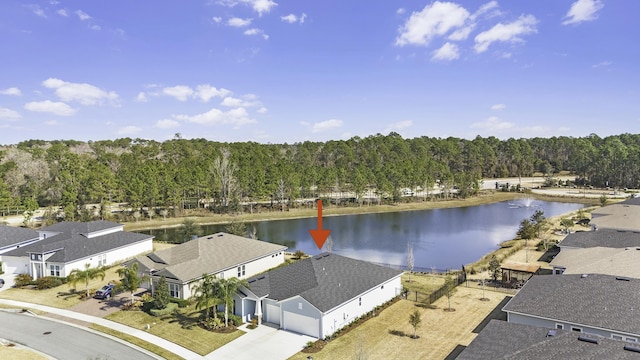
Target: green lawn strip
[[180, 328], [137, 341]]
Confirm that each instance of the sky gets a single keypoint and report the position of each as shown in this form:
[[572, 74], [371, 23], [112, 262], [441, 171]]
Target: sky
[[276, 71]]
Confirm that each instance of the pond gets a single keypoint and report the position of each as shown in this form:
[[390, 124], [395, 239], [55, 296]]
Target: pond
[[441, 238]]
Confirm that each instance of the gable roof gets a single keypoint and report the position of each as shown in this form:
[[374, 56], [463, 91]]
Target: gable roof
[[504, 340], [208, 254], [620, 216], [11, 235], [603, 238], [325, 280], [600, 260], [72, 244], [595, 300], [81, 227]]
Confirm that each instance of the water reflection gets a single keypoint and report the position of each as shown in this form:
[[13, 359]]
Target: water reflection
[[442, 238]]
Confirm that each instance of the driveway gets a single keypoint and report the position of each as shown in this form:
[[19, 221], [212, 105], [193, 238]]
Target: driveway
[[264, 342], [102, 308], [8, 281]]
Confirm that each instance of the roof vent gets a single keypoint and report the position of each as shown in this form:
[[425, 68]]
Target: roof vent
[[220, 234], [551, 333], [210, 237], [634, 348], [261, 277], [584, 275], [588, 339], [622, 278]]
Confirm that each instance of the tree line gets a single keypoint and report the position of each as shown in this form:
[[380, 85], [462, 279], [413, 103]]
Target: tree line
[[179, 174]]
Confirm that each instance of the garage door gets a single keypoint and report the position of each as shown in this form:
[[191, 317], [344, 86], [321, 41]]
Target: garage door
[[273, 314], [301, 324]]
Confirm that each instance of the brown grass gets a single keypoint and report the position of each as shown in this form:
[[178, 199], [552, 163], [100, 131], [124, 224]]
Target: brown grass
[[63, 296], [439, 333], [425, 283], [166, 354], [14, 353]]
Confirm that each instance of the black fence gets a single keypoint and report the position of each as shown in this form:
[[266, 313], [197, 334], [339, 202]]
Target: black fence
[[430, 298]]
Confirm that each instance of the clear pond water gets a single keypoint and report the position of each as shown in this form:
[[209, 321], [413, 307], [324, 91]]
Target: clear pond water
[[441, 238]]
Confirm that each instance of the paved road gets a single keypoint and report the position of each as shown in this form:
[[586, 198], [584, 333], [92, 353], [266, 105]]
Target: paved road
[[63, 341]]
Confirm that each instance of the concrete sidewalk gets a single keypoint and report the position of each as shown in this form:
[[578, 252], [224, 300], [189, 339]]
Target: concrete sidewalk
[[165, 344]]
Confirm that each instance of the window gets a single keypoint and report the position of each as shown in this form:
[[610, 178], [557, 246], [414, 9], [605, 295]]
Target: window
[[359, 301], [102, 260], [55, 270], [36, 257], [630, 339], [576, 329], [560, 326], [616, 337], [299, 306], [241, 271], [174, 290]]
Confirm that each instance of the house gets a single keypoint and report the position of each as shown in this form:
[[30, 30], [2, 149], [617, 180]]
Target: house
[[70, 245], [624, 215], [12, 237], [515, 274], [596, 304], [223, 255], [586, 251], [318, 295], [504, 340]]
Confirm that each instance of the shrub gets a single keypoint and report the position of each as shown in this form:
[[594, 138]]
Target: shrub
[[23, 280], [234, 320], [171, 307], [212, 324], [48, 282], [161, 295], [310, 343], [181, 302]]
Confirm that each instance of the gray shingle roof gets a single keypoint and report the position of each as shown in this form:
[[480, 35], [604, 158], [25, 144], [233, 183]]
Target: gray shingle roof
[[595, 300], [600, 260], [503, 340], [11, 235], [209, 254], [325, 280], [72, 244], [603, 238], [620, 216], [81, 227]]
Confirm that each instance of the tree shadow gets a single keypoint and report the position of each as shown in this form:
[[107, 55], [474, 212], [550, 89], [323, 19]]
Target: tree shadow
[[185, 320], [426, 306], [66, 295]]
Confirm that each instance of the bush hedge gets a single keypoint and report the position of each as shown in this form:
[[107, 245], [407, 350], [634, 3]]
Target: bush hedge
[[23, 280], [181, 302], [48, 282], [171, 307]]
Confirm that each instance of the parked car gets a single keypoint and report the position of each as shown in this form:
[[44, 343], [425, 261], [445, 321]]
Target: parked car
[[105, 292], [1, 283]]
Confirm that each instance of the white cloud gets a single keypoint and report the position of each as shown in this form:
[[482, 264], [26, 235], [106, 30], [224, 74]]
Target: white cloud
[[179, 92], [254, 31], [51, 122], [236, 102], [485, 8], [262, 110], [206, 92], [82, 15], [217, 19], [292, 18], [498, 107], [142, 97], [129, 130], [167, 124], [510, 32], [12, 91], [36, 9], [86, 94], [325, 125], [447, 52], [62, 12], [238, 22], [236, 117], [397, 126], [9, 114], [436, 19], [462, 33], [601, 64], [583, 10], [259, 6], [57, 108], [96, 27], [401, 11], [492, 124]]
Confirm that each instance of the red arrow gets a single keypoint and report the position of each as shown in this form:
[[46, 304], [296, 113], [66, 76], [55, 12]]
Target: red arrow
[[320, 235]]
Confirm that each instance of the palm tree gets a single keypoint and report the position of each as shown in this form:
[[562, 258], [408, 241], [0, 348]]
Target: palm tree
[[130, 279], [86, 275], [206, 295], [226, 289]]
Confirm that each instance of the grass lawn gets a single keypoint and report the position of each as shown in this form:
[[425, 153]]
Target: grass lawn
[[180, 328], [425, 283], [9, 352], [63, 296], [440, 332], [139, 342]]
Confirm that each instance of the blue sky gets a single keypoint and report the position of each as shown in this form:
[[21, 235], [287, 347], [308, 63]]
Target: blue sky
[[289, 71]]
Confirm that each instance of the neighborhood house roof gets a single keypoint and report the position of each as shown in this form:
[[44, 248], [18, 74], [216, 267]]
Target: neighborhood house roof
[[504, 340], [603, 301], [602, 238], [72, 242], [10, 235], [600, 260], [325, 280], [209, 254], [620, 216]]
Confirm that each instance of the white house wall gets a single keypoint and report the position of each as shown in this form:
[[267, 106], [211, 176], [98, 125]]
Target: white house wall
[[15, 264], [113, 257], [346, 313]]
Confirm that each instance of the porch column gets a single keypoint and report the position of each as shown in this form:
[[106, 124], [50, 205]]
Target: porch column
[[259, 310]]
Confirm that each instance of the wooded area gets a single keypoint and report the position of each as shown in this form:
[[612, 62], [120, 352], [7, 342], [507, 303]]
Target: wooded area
[[176, 174]]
